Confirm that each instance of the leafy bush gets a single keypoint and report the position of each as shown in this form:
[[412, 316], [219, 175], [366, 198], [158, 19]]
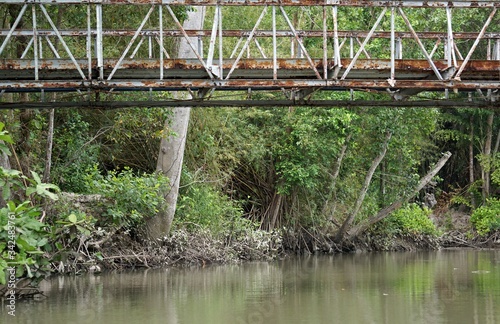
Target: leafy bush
[[201, 206], [75, 151], [129, 198], [487, 218], [23, 238], [411, 219]]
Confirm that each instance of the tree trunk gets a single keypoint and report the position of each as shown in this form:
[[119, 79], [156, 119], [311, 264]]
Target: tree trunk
[[368, 179], [471, 158], [172, 148], [50, 141], [356, 230], [487, 156], [327, 208]]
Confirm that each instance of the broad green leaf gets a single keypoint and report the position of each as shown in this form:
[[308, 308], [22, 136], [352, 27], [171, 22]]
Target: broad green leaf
[[83, 230], [6, 192], [72, 218], [25, 246], [36, 177], [19, 271], [11, 205], [6, 138], [42, 242], [30, 191]]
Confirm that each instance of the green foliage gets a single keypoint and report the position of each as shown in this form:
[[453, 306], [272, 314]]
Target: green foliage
[[495, 165], [4, 138], [309, 141], [41, 189], [75, 150], [486, 219], [411, 219], [201, 206], [23, 238], [129, 198], [133, 137]]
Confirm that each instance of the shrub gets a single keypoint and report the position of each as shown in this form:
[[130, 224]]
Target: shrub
[[487, 218], [129, 198], [23, 238], [411, 219], [202, 206]]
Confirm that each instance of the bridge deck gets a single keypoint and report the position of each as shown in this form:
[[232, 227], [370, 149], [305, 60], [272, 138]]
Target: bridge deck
[[291, 73]]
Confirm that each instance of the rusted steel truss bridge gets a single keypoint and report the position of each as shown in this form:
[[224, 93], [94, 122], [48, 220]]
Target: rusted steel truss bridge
[[95, 59]]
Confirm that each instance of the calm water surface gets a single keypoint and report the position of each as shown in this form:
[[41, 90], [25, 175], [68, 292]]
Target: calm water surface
[[461, 286]]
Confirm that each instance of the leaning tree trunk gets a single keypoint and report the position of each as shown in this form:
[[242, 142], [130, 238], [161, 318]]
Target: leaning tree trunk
[[172, 148], [368, 179], [360, 228]]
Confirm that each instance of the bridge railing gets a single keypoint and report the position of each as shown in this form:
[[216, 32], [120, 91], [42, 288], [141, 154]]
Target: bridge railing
[[389, 50]]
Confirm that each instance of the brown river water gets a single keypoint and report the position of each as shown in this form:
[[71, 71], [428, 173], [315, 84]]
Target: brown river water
[[448, 286]]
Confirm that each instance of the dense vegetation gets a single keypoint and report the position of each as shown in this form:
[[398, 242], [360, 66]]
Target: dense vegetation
[[297, 171]]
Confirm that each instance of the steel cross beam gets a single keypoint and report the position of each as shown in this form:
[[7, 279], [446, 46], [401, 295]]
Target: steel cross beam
[[274, 57]]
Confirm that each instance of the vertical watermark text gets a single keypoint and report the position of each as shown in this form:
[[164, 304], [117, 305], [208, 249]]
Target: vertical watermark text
[[11, 271]]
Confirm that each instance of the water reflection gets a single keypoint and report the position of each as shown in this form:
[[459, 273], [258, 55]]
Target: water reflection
[[436, 287]]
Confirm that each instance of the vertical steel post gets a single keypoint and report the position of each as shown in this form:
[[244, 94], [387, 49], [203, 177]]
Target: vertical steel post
[[336, 48], [399, 48], [216, 32], [496, 50], [160, 25], [99, 45], [449, 39], [150, 47], [200, 46], [35, 40], [488, 50], [325, 46], [213, 36], [449, 48], [393, 47], [221, 53], [89, 44], [351, 47], [275, 51], [40, 47]]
